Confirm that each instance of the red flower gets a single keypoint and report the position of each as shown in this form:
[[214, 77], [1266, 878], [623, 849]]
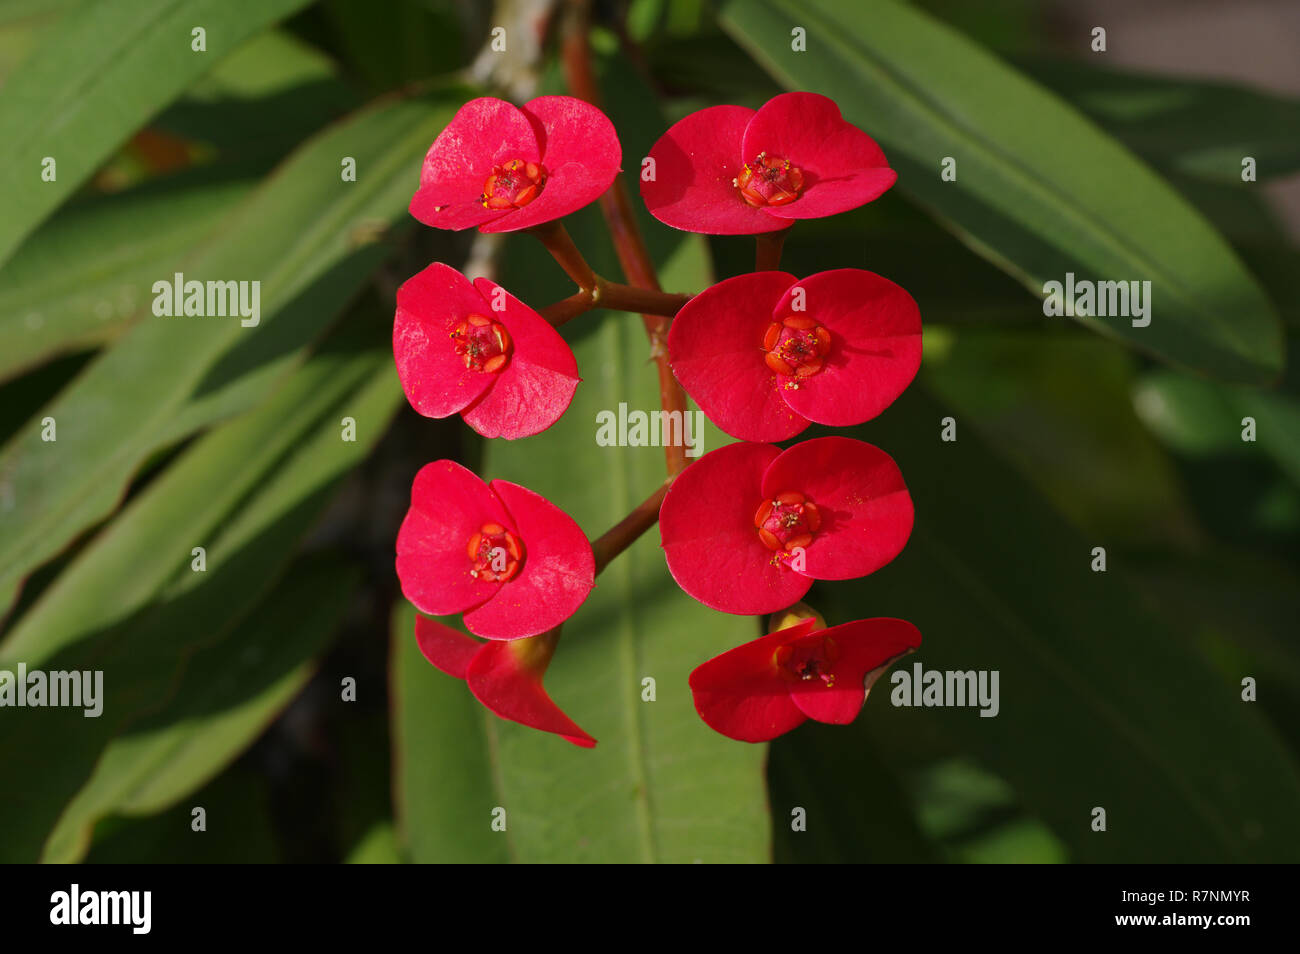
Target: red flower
[[767, 687], [505, 677], [514, 563], [477, 350], [505, 168], [728, 170], [748, 527], [762, 370]]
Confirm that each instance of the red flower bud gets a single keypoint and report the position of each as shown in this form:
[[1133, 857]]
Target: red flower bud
[[767, 687], [505, 677]]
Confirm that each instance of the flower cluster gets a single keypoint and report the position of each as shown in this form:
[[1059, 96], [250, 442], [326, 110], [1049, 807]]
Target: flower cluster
[[748, 527]]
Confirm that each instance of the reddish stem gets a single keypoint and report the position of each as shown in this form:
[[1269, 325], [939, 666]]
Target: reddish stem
[[567, 309], [616, 205], [614, 296], [648, 301], [557, 241], [767, 250]]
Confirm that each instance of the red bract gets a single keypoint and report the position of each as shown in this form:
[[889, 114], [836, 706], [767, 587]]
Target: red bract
[[514, 563], [764, 354], [728, 170], [767, 687], [476, 350], [748, 527], [504, 168], [505, 677]]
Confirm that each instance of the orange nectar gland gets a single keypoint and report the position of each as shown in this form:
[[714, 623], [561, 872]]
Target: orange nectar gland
[[482, 343], [795, 347], [787, 521], [801, 661], [769, 181], [495, 552], [513, 185]]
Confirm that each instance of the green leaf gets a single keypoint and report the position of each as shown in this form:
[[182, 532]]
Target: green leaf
[[377, 847], [223, 470], [22, 397], [391, 42], [229, 693], [855, 809], [309, 238], [1100, 705], [1241, 607], [240, 828], [1203, 417], [247, 492], [362, 797], [1247, 219], [265, 97], [1060, 407], [1188, 414], [1199, 128], [22, 24], [975, 815], [445, 783], [917, 800], [85, 275], [1039, 191], [101, 73]]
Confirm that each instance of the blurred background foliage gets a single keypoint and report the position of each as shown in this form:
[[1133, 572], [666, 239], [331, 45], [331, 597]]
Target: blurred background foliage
[[223, 688]]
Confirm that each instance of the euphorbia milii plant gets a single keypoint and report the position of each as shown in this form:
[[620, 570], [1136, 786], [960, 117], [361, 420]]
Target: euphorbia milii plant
[[476, 350], [514, 563], [504, 168], [748, 527], [504, 676], [765, 354], [728, 170], [745, 529], [773, 684]]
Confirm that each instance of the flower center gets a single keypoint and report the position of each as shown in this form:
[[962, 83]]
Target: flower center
[[495, 553], [807, 660], [513, 185], [787, 521], [796, 346], [482, 343], [769, 180]]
